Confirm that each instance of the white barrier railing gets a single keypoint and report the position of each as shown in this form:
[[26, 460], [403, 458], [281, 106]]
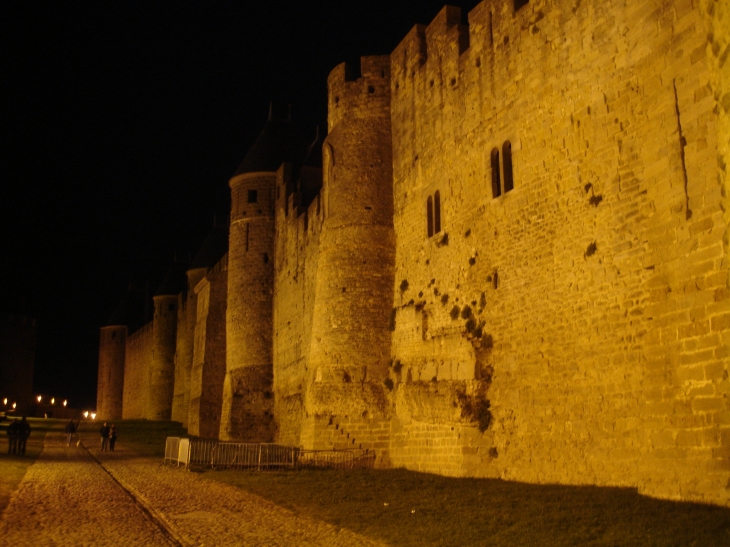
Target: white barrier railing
[[172, 449], [224, 455]]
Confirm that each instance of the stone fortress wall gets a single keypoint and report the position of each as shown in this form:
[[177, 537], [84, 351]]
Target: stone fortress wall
[[588, 304], [137, 365], [516, 265]]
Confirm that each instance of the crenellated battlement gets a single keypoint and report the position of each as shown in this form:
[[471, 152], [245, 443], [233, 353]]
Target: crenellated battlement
[[435, 53], [363, 95]]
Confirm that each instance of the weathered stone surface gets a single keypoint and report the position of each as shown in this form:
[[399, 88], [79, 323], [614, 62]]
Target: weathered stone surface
[[110, 381], [517, 264]]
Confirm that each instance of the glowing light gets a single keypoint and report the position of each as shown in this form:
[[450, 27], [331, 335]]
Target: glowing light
[[39, 398], [15, 404], [5, 401], [93, 415], [86, 414], [53, 400], [65, 403]]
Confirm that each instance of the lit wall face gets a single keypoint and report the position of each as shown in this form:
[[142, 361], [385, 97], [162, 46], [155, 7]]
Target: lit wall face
[[584, 303]]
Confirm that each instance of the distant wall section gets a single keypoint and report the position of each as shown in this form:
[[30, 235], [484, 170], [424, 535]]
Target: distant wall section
[[137, 365]]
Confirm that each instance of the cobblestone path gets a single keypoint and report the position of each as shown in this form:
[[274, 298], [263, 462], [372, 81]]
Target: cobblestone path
[[78, 497]]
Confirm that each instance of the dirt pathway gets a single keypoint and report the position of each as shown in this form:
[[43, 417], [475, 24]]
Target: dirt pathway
[[72, 496]]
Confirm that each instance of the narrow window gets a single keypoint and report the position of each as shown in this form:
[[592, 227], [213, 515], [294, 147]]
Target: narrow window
[[253, 196], [429, 215], [507, 162], [437, 212], [496, 184]]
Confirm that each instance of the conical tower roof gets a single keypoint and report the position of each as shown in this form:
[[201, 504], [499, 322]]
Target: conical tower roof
[[277, 143], [215, 246], [131, 310], [175, 281]]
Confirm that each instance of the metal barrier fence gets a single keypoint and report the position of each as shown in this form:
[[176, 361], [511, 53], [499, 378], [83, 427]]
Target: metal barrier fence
[[224, 455], [220, 455]]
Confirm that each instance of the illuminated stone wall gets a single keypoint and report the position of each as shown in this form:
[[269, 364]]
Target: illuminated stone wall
[[137, 364], [248, 403], [583, 315], [295, 270], [349, 348], [110, 381], [209, 360], [162, 370], [186, 318], [517, 266]]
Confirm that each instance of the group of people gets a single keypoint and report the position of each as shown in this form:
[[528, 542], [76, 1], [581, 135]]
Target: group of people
[[108, 437], [18, 433]]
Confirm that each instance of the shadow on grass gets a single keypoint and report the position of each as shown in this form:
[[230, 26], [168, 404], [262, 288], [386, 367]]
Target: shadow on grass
[[406, 508]]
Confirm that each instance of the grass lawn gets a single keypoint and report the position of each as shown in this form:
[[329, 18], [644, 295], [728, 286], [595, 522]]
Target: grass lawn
[[406, 508]]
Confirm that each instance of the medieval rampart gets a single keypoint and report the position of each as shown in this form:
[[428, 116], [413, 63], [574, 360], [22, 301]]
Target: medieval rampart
[[561, 280], [209, 358], [295, 270], [110, 381], [516, 266], [138, 359]]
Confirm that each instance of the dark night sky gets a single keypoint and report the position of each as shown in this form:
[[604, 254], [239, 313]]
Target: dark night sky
[[122, 122]]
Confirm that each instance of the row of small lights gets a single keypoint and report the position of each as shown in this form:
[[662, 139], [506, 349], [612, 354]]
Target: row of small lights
[[39, 398]]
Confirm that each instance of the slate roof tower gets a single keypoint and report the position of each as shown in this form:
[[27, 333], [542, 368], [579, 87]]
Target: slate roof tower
[[248, 403]]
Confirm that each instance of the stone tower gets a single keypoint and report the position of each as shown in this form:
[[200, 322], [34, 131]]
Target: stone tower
[[127, 317], [110, 383], [351, 339], [164, 329], [248, 403]]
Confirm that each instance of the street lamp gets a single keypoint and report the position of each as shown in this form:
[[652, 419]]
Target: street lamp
[[65, 402], [53, 400], [5, 401], [39, 398], [86, 414]]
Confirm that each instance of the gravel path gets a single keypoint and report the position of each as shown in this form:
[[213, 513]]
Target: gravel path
[[72, 496], [66, 498]]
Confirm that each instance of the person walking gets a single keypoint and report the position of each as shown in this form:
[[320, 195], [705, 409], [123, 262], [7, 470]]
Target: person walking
[[23, 434], [104, 432], [70, 430], [13, 436], [112, 437]]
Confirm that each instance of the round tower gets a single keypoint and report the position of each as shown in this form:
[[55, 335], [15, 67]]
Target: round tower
[[248, 402], [351, 339], [164, 330], [110, 383], [127, 317]]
